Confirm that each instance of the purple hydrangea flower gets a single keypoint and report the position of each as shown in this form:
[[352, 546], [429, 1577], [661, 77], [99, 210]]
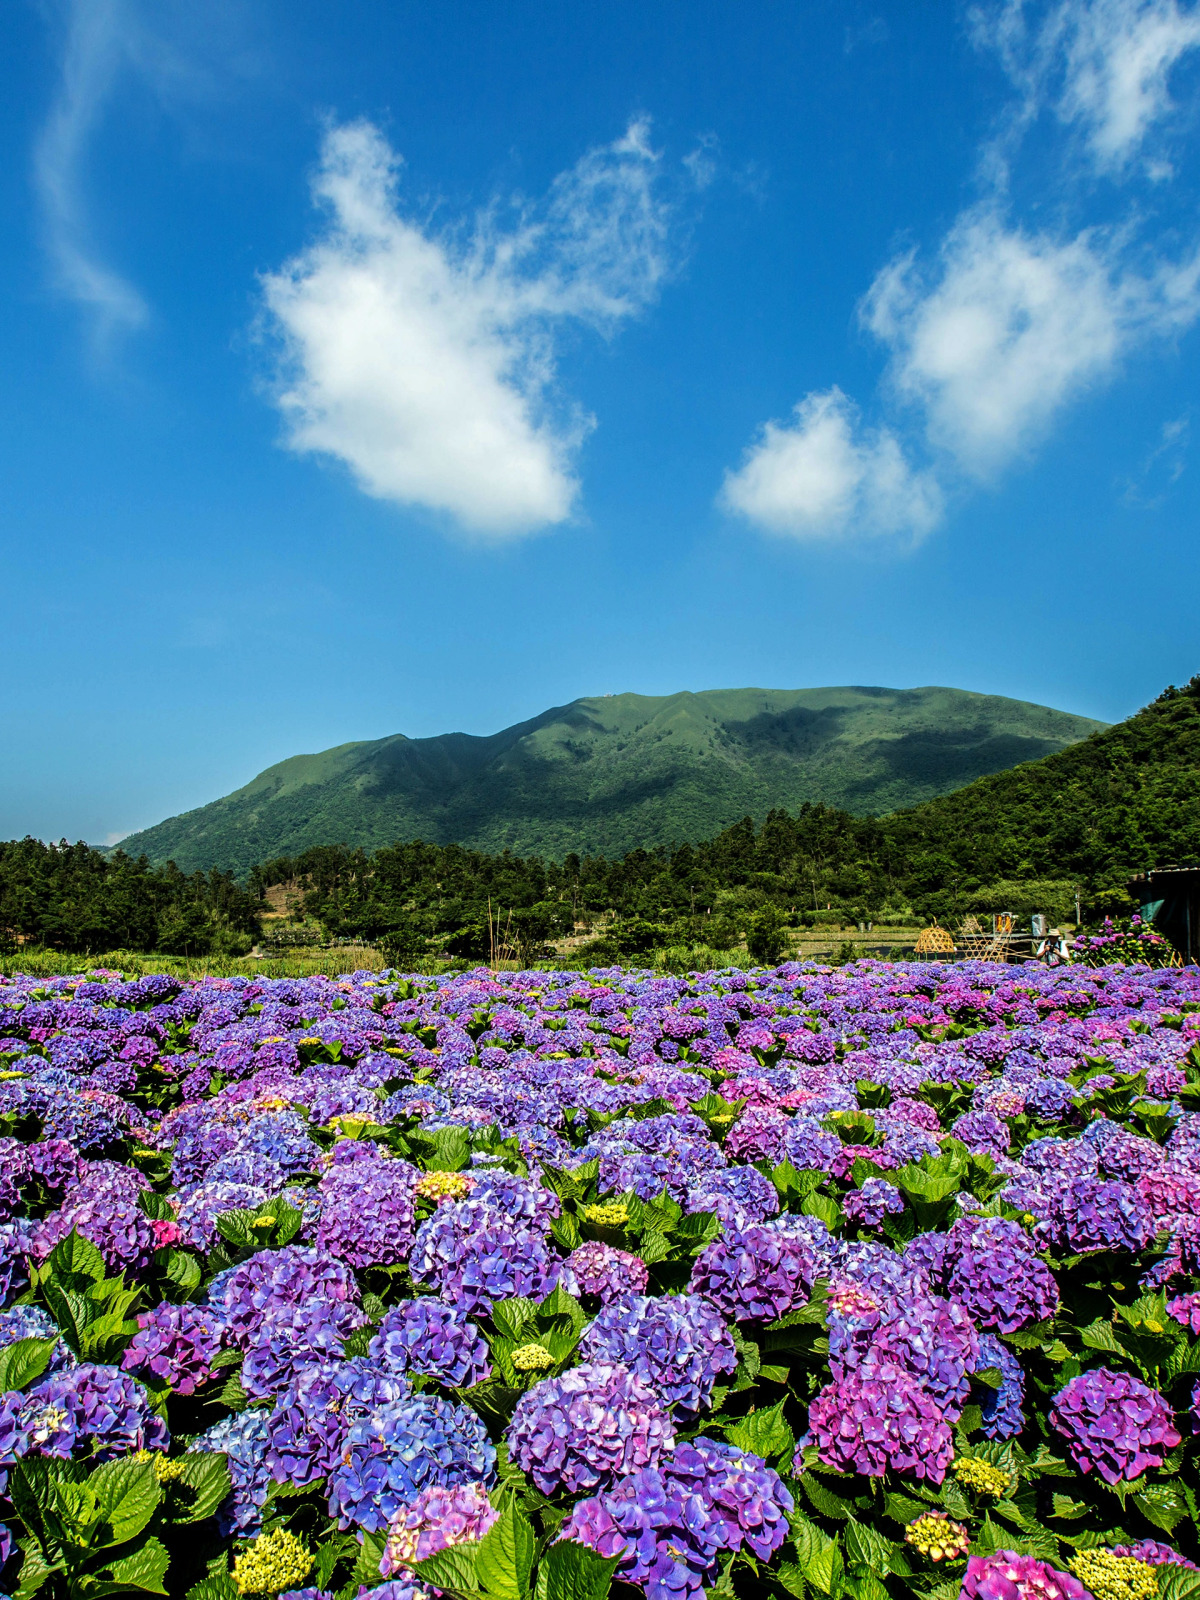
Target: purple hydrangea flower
[[117, 1226], [982, 1132], [243, 1439], [31, 1322], [1103, 1216], [87, 1403], [396, 1449], [878, 1417], [666, 1539], [1185, 1308], [757, 1274], [678, 1343], [931, 1339], [990, 1264], [1007, 1576], [1113, 1424], [293, 1276], [178, 1344], [1003, 1417], [746, 1496], [442, 1515], [473, 1256], [604, 1271], [290, 1338], [738, 1195], [368, 1212], [595, 1423], [310, 1420], [1153, 1554], [437, 1340], [876, 1200]]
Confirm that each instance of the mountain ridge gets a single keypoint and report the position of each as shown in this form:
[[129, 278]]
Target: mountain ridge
[[611, 773]]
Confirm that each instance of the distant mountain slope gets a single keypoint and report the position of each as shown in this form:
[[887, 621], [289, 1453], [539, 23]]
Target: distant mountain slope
[[609, 775]]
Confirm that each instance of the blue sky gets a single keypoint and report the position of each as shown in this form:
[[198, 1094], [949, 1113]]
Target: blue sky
[[382, 368]]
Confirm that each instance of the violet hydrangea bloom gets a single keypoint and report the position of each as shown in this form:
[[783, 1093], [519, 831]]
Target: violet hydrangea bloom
[[434, 1339], [1113, 1424], [738, 1195], [1154, 1554], [991, 1265], [368, 1211], [678, 1343], [666, 1540], [442, 1515], [310, 1420], [292, 1337], [932, 1339], [117, 1226], [1103, 1216], [1185, 1308], [88, 1404], [877, 1417], [604, 1271], [747, 1497], [876, 1200], [1003, 1417], [177, 1343], [399, 1447], [473, 1256], [757, 1274], [243, 1438], [31, 1322], [1008, 1576], [292, 1276], [595, 1423]]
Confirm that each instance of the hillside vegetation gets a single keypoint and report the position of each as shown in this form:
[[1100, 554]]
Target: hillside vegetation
[[1027, 839], [609, 775]]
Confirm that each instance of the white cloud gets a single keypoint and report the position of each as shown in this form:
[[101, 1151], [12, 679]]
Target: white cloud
[[1008, 324], [97, 43], [424, 361], [823, 476], [1013, 325], [1102, 65]]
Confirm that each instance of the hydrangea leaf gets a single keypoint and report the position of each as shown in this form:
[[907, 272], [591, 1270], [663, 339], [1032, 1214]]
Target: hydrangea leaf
[[143, 1568], [570, 1571], [127, 1495], [23, 1361], [504, 1558]]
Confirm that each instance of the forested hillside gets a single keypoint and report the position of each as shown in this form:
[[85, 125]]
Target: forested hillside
[[605, 776], [1026, 839], [1023, 840]]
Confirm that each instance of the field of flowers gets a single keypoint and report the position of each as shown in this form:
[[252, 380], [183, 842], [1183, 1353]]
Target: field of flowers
[[882, 1280]]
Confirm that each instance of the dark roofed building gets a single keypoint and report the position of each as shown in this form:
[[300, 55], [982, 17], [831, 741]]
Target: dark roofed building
[[1169, 897]]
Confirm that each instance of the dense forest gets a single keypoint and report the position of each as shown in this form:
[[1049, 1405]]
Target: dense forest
[[1080, 821], [71, 897]]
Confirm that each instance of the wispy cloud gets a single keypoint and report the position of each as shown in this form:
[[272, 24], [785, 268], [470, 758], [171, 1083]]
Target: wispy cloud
[[1102, 66], [1003, 325], [97, 40], [424, 359], [1162, 467]]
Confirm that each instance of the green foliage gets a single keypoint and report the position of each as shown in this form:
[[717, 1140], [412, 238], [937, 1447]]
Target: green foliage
[[101, 1530], [71, 897]]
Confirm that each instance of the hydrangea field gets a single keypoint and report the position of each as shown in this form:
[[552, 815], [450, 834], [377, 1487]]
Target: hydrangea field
[[881, 1280]]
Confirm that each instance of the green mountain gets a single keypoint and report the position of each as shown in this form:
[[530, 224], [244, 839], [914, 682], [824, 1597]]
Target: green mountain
[[609, 775]]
